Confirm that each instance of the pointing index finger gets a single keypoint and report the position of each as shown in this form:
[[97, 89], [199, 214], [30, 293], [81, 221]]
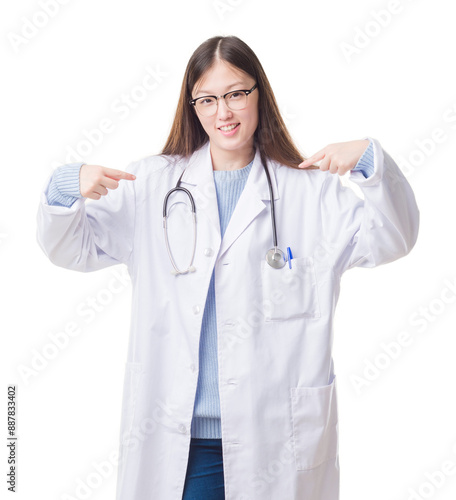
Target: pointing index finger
[[116, 174], [319, 155]]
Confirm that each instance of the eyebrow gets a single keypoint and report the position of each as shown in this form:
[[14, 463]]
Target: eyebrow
[[229, 86]]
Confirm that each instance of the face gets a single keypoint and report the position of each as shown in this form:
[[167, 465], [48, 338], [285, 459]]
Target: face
[[222, 78]]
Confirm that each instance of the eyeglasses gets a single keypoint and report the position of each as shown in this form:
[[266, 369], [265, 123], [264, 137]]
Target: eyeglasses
[[235, 100]]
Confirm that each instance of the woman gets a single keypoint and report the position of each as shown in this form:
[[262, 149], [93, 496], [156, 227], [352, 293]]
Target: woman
[[230, 390]]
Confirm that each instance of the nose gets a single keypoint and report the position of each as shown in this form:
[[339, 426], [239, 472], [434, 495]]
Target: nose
[[223, 111]]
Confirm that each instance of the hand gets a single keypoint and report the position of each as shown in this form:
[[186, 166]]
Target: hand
[[339, 157], [94, 179]]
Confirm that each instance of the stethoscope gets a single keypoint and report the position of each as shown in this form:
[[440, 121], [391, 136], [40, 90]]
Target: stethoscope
[[274, 257]]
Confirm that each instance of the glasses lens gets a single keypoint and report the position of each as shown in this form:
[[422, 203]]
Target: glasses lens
[[206, 106], [236, 100]]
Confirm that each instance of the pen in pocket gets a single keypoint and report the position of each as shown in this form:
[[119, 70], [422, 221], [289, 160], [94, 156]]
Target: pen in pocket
[[290, 256]]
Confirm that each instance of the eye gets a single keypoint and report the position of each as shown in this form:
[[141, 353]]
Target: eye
[[236, 95], [206, 101]]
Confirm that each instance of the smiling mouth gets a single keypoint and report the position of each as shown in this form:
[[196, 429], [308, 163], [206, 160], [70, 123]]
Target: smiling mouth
[[228, 128]]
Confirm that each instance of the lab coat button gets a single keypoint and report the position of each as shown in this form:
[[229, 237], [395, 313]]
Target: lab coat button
[[192, 368], [182, 428], [208, 252], [232, 381], [196, 309]]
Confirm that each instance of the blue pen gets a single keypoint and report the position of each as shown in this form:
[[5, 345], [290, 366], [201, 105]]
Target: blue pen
[[290, 256]]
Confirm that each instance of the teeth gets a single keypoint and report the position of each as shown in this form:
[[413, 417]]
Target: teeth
[[230, 127]]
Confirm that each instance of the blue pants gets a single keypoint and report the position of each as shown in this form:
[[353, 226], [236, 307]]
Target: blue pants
[[204, 479]]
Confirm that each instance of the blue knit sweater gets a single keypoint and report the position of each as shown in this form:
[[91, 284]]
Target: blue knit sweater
[[63, 190]]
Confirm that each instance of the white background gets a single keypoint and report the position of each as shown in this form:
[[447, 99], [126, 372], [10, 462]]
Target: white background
[[63, 78]]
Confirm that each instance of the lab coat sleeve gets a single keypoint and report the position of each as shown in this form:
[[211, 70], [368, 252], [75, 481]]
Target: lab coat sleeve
[[379, 229], [90, 234]]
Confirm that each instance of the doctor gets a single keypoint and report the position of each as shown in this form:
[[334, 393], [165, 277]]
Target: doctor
[[230, 390]]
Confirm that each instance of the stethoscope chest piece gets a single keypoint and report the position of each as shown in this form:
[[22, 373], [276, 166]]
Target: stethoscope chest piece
[[276, 258]]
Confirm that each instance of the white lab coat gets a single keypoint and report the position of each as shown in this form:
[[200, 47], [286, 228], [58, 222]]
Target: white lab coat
[[277, 385]]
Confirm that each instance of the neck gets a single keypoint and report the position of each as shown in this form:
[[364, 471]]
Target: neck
[[231, 160]]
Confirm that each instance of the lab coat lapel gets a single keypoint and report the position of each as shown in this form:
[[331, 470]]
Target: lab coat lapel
[[251, 203]]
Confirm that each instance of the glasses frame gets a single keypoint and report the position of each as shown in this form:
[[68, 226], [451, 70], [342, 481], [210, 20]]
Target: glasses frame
[[217, 97]]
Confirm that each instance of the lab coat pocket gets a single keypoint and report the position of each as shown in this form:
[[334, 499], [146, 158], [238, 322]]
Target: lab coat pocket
[[290, 293], [315, 424], [132, 377]]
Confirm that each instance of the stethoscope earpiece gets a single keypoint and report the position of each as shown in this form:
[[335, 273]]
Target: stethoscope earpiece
[[191, 269]]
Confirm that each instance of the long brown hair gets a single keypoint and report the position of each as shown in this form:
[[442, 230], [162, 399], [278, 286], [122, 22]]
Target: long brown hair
[[271, 136]]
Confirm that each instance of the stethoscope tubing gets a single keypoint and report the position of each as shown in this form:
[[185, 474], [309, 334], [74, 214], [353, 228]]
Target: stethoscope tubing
[[178, 187], [271, 196], [275, 257]]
